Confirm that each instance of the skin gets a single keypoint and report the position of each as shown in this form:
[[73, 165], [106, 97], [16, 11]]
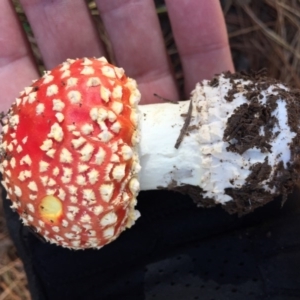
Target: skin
[[64, 29]]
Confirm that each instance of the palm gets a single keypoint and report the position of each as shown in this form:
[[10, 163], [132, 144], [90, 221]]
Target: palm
[[64, 29]]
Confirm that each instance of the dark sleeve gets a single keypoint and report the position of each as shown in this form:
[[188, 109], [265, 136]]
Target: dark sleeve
[[175, 251]]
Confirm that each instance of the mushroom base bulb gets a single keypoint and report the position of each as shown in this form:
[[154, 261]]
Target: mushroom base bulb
[[240, 148], [76, 149]]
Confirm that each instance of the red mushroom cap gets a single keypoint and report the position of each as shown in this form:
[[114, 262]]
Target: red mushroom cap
[[69, 160]]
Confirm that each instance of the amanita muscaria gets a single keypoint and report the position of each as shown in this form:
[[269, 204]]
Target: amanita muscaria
[[77, 148]]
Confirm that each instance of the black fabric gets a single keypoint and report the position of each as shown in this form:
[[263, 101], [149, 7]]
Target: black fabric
[[175, 251]]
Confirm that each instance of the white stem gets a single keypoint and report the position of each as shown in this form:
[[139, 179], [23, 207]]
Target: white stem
[[162, 164]]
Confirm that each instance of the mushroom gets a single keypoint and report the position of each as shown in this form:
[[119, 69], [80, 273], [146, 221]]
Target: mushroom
[[74, 142]]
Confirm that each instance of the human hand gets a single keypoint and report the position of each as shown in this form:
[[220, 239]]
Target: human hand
[[64, 29]]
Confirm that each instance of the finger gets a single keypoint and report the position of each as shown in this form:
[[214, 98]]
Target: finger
[[17, 68], [63, 29], [200, 34], [138, 46]]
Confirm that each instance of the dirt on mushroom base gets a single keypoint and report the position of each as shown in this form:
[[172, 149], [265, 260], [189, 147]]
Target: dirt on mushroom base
[[258, 39], [253, 126]]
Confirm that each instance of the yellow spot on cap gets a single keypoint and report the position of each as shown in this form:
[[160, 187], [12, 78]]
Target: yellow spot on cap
[[50, 209]]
